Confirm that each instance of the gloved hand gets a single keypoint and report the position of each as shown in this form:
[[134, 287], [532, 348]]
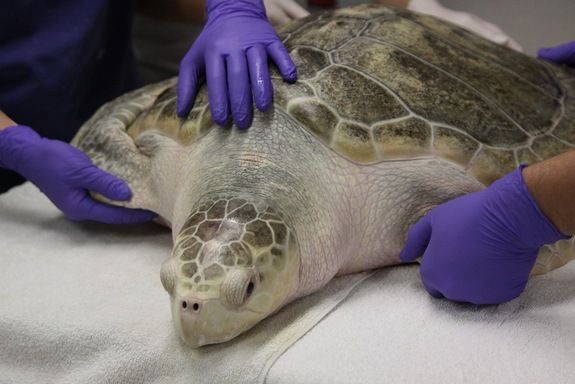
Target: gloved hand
[[233, 50], [560, 54], [466, 20], [481, 247], [283, 11], [66, 175]]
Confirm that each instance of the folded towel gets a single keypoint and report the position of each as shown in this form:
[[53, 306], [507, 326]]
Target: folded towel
[[83, 303]]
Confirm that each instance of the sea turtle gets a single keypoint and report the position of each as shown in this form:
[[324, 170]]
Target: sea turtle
[[393, 114]]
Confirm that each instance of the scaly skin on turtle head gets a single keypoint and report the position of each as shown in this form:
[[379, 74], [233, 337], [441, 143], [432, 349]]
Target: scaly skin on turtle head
[[234, 263]]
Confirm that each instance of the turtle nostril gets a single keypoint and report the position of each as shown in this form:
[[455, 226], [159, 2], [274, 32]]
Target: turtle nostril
[[194, 306]]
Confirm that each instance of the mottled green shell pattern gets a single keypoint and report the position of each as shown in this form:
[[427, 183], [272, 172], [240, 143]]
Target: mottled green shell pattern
[[378, 84]]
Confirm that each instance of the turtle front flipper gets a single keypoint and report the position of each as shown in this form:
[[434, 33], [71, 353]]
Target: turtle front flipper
[[106, 140]]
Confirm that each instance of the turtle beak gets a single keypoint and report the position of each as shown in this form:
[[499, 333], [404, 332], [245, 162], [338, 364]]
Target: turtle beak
[[188, 324], [202, 322]]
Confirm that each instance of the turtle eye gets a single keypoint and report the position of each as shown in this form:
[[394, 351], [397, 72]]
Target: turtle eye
[[168, 275], [250, 289], [238, 286]]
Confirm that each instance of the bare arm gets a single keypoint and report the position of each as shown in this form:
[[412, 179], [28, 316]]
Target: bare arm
[[5, 121], [552, 184]]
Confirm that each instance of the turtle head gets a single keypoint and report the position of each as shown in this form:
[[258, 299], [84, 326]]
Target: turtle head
[[234, 263]]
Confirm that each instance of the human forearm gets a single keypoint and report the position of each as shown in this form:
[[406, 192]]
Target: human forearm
[[552, 184], [5, 121]]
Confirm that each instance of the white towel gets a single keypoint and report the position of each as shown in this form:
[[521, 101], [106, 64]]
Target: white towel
[[83, 303], [389, 330]]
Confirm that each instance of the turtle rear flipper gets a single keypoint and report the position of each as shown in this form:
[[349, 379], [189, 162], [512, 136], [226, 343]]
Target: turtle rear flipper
[[105, 139]]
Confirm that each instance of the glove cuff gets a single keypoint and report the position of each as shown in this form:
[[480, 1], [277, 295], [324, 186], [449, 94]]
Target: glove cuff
[[14, 141], [217, 8], [528, 222]]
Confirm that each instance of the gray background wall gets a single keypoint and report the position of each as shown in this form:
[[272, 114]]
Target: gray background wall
[[533, 23]]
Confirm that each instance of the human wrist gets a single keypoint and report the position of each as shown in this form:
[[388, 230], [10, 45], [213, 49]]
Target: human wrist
[[5, 121], [551, 183], [14, 141], [521, 213]]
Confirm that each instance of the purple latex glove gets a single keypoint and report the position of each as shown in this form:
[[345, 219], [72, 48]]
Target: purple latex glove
[[481, 247], [66, 175], [233, 50], [561, 54]]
